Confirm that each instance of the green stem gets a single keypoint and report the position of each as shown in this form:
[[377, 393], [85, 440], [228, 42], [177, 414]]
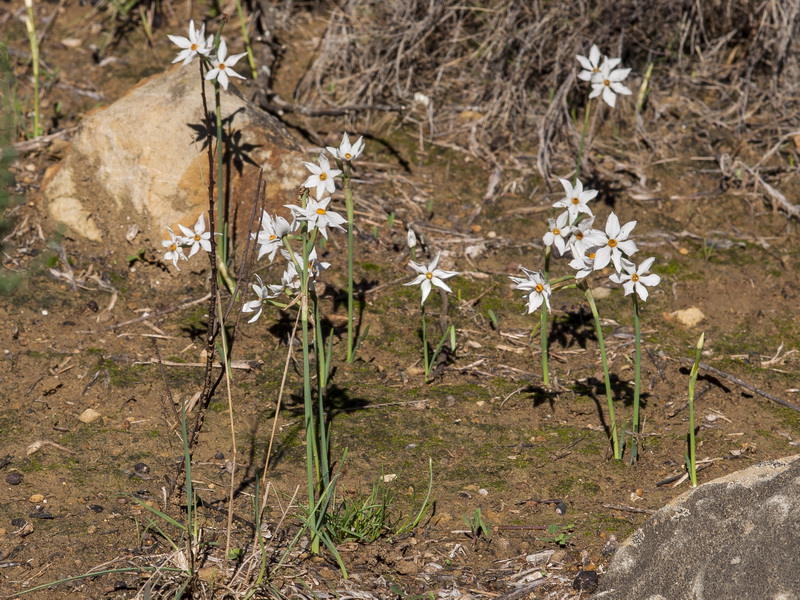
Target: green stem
[[348, 201], [692, 466], [582, 142], [603, 357], [322, 382], [312, 457], [543, 322], [637, 377], [222, 226], [251, 61], [425, 344]]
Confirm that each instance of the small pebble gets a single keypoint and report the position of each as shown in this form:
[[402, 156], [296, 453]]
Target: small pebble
[[611, 546], [14, 478], [41, 514], [561, 508], [36, 499], [219, 456], [141, 468], [96, 508], [18, 522], [585, 581]]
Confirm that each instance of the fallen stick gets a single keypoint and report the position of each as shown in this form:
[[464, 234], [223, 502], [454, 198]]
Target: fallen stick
[[246, 365]]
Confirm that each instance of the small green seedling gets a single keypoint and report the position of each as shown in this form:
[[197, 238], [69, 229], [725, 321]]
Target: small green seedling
[[558, 535], [478, 526]]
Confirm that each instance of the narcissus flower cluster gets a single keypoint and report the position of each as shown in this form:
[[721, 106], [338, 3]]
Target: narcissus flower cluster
[[220, 65], [605, 79], [194, 239], [588, 249], [315, 216]]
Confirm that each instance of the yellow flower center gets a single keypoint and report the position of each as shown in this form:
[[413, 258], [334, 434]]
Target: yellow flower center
[[323, 176], [221, 66], [556, 231], [634, 277], [578, 235], [612, 243], [197, 237], [606, 82], [172, 247], [429, 275], [591, 255], [575, 200], [320, 211], [193, 47], [539, 288], [347, 156], [273, 237], [596, 70]]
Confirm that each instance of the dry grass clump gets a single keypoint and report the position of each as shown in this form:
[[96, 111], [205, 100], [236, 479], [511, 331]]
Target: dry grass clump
[[504, 65]]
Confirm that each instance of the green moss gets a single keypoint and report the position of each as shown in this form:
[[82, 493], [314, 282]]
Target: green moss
[[563, 487], [673, 267]]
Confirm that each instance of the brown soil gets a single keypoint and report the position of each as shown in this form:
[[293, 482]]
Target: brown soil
[[498, 439]]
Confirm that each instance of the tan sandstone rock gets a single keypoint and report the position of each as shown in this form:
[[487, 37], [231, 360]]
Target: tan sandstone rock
[[142, 162]]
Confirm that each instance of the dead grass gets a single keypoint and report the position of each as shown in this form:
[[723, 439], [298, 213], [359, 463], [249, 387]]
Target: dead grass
[[509, 67]]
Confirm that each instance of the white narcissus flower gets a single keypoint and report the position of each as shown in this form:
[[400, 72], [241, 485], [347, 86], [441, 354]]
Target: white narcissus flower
[[581, 239], [315, 267], [429, 275], [174, 250], [591, 65], [318, 216], [199, 238], [321, 177], [345, 151], [536, 287], [575, 199], [193, 45], [290, 280], [609, 83], [583, 264], [223, 65], [270, 238], [556, 235], [635, 279], [614, 243], [263, 292], [411, 238]]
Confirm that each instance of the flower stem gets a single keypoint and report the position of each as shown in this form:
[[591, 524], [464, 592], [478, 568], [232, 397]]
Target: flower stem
[[581, 144], [251, 61], [603, 357], [312, 449], [425, 344], [222, 226], [543, 322], [637, 377], [692, 466], [348, 201]]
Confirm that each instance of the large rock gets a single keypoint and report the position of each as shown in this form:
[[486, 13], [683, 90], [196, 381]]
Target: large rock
[[142, 161], [737, 537]]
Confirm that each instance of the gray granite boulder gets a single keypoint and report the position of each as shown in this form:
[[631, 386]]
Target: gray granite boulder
[[734, 538], [140, 164]]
